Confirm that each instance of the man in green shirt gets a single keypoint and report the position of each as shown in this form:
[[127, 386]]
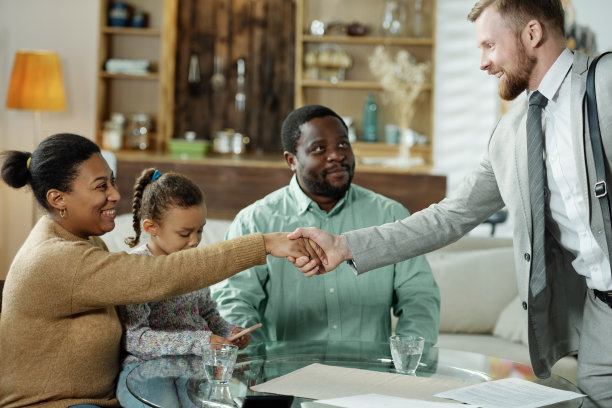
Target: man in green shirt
[[334, 306]]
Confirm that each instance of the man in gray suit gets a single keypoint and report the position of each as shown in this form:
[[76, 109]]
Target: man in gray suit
[[570, 307]]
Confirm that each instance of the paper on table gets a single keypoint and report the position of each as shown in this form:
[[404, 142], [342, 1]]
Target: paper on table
[[509, 393], [319, 381], [386, 401]]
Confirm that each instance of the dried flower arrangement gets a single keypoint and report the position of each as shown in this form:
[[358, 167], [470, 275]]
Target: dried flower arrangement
[[403, 79]]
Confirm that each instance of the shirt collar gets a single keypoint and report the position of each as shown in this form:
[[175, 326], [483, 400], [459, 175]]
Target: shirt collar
[[304, 202], [551, 83]]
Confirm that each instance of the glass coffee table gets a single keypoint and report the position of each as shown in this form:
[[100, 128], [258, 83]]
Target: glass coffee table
[[180, 381]]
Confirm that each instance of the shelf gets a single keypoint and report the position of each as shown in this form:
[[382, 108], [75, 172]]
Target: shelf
[[367, 40], [367, 85], [348, 96], [131, 31], [152, 76]]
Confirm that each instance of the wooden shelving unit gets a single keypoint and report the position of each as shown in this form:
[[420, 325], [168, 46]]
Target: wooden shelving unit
[[347, 96], [151, 93]]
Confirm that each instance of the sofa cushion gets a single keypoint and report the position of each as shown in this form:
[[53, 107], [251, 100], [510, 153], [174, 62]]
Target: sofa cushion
[[512, 323], [475, 287]]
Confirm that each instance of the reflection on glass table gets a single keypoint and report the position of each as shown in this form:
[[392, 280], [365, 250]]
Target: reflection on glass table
[[180, 381]]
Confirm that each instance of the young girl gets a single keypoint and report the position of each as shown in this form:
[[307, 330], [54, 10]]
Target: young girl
[[171, 209]]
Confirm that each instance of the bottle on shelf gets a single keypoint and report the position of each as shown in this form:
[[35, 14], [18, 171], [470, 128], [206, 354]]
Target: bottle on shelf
[[370, 119]]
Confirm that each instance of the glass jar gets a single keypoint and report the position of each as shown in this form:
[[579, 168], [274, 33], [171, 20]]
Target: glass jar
[[112, 136], [394, 18], [138, 131]]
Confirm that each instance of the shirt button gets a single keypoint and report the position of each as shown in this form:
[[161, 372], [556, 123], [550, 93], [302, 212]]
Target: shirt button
[[527, 257], [331, 290], [525, 305], [326, 219], [335, 326]]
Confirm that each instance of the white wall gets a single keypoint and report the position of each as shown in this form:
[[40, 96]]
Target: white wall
[[596, 15], [70, 28], [466, 101]]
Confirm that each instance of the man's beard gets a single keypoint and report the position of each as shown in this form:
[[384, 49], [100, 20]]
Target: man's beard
[[517, 80], [321, 187]]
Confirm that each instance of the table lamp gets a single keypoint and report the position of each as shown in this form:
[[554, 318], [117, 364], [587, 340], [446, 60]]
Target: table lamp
[[36, 85]]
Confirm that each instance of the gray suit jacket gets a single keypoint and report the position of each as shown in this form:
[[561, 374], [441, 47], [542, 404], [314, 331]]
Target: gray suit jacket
[[555, 315]]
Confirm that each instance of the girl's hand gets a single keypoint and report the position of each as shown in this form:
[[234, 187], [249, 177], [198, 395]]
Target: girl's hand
[[218, 339], [241, 341]]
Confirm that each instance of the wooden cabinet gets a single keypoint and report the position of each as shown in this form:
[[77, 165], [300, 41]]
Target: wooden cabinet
[[151, 93], [232, 183], [347, 96]]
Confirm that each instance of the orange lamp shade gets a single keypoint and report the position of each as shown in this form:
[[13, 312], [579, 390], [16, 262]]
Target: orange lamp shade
[[36, 82]]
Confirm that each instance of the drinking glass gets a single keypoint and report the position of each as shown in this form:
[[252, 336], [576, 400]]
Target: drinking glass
[[406, 352], [219, 360]]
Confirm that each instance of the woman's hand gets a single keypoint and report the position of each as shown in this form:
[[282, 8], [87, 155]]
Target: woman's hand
[[300, 250], [241, 341]]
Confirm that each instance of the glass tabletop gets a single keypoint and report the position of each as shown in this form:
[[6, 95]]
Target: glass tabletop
[[180, 381]]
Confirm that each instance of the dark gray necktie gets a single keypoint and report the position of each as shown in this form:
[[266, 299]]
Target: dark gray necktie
[[535, 167]]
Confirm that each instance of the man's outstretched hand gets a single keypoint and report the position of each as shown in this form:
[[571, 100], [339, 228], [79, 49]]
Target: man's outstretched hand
[[331, 249]]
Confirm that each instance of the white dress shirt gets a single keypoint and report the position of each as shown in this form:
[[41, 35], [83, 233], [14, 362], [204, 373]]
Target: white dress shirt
[[567, 204]]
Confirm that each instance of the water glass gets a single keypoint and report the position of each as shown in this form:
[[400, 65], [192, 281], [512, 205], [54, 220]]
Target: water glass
[[406, 352], [219, 360]]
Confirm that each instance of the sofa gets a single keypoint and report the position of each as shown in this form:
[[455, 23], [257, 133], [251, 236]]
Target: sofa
[[480, 308]]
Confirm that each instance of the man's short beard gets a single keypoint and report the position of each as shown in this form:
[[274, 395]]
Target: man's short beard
[[517, 80], [324, 188]]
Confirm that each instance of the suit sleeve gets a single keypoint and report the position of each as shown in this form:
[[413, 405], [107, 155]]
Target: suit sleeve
[[476, 199], [416, 297]]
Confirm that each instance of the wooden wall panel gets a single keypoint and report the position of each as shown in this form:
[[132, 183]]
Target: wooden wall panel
[[230, 184], [261, 32]]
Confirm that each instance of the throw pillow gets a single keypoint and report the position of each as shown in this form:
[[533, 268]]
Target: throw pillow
[[475, 286], [512, 323]]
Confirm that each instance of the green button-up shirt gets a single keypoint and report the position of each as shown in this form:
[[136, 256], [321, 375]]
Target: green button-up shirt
[[338, 305]]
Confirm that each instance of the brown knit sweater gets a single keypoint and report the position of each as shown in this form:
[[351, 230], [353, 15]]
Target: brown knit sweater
[[59, 332]]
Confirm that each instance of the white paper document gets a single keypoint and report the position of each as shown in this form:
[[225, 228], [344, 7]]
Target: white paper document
[[384, 401], [509, 393], [320, 381]]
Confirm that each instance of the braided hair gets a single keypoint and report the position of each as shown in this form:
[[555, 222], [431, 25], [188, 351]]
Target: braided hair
[[153, 198]]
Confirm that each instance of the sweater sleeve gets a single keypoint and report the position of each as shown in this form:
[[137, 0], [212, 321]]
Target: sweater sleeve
[[209, 312], [100, 278], [144, 342]]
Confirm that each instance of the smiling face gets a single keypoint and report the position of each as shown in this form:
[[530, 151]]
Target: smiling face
[[180, 228], [90, 206], [503, 54], [324, 163]]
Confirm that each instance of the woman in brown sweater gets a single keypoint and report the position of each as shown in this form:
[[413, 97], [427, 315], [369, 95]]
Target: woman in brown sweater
[[59, 332]]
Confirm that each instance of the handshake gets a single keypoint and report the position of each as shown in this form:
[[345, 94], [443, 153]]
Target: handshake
[[311, 250]]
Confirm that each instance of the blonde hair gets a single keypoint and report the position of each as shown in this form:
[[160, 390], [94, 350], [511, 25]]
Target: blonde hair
[[517, 13]]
